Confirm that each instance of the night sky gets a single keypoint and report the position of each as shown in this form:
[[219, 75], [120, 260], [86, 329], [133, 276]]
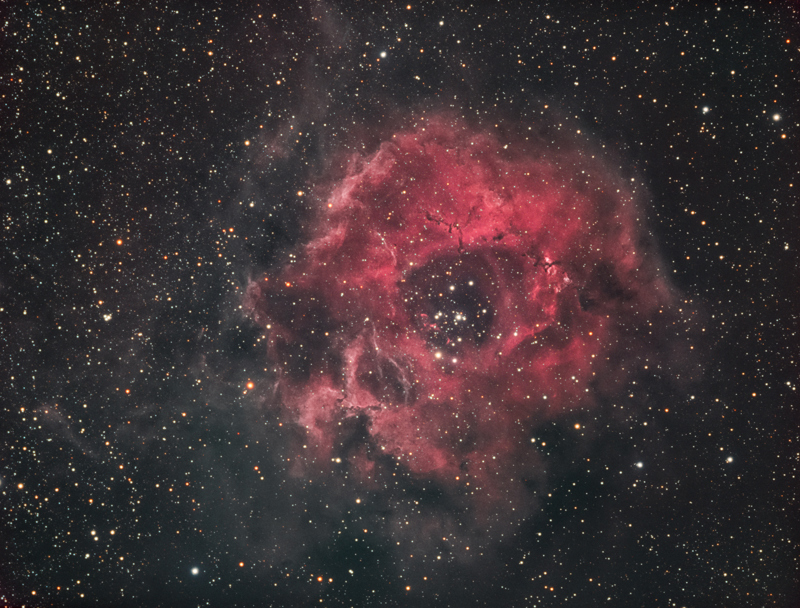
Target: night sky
[[385, 304]]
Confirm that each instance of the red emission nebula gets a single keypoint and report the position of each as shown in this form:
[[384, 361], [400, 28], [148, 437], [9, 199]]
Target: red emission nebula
[[458, 287]]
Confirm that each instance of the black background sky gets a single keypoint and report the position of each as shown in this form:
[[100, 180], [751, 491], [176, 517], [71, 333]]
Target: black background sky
[[152, 159]]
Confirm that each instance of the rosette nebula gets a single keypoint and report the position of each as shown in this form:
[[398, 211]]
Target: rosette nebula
[[458, 287]]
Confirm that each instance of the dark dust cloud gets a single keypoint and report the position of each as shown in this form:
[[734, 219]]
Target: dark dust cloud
[[436, 304]]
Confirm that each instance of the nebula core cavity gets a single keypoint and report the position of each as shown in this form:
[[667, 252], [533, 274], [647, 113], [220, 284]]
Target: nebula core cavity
[[458, 287]]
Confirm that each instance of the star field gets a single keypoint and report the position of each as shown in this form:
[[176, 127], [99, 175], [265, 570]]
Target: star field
[[191, 413]]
